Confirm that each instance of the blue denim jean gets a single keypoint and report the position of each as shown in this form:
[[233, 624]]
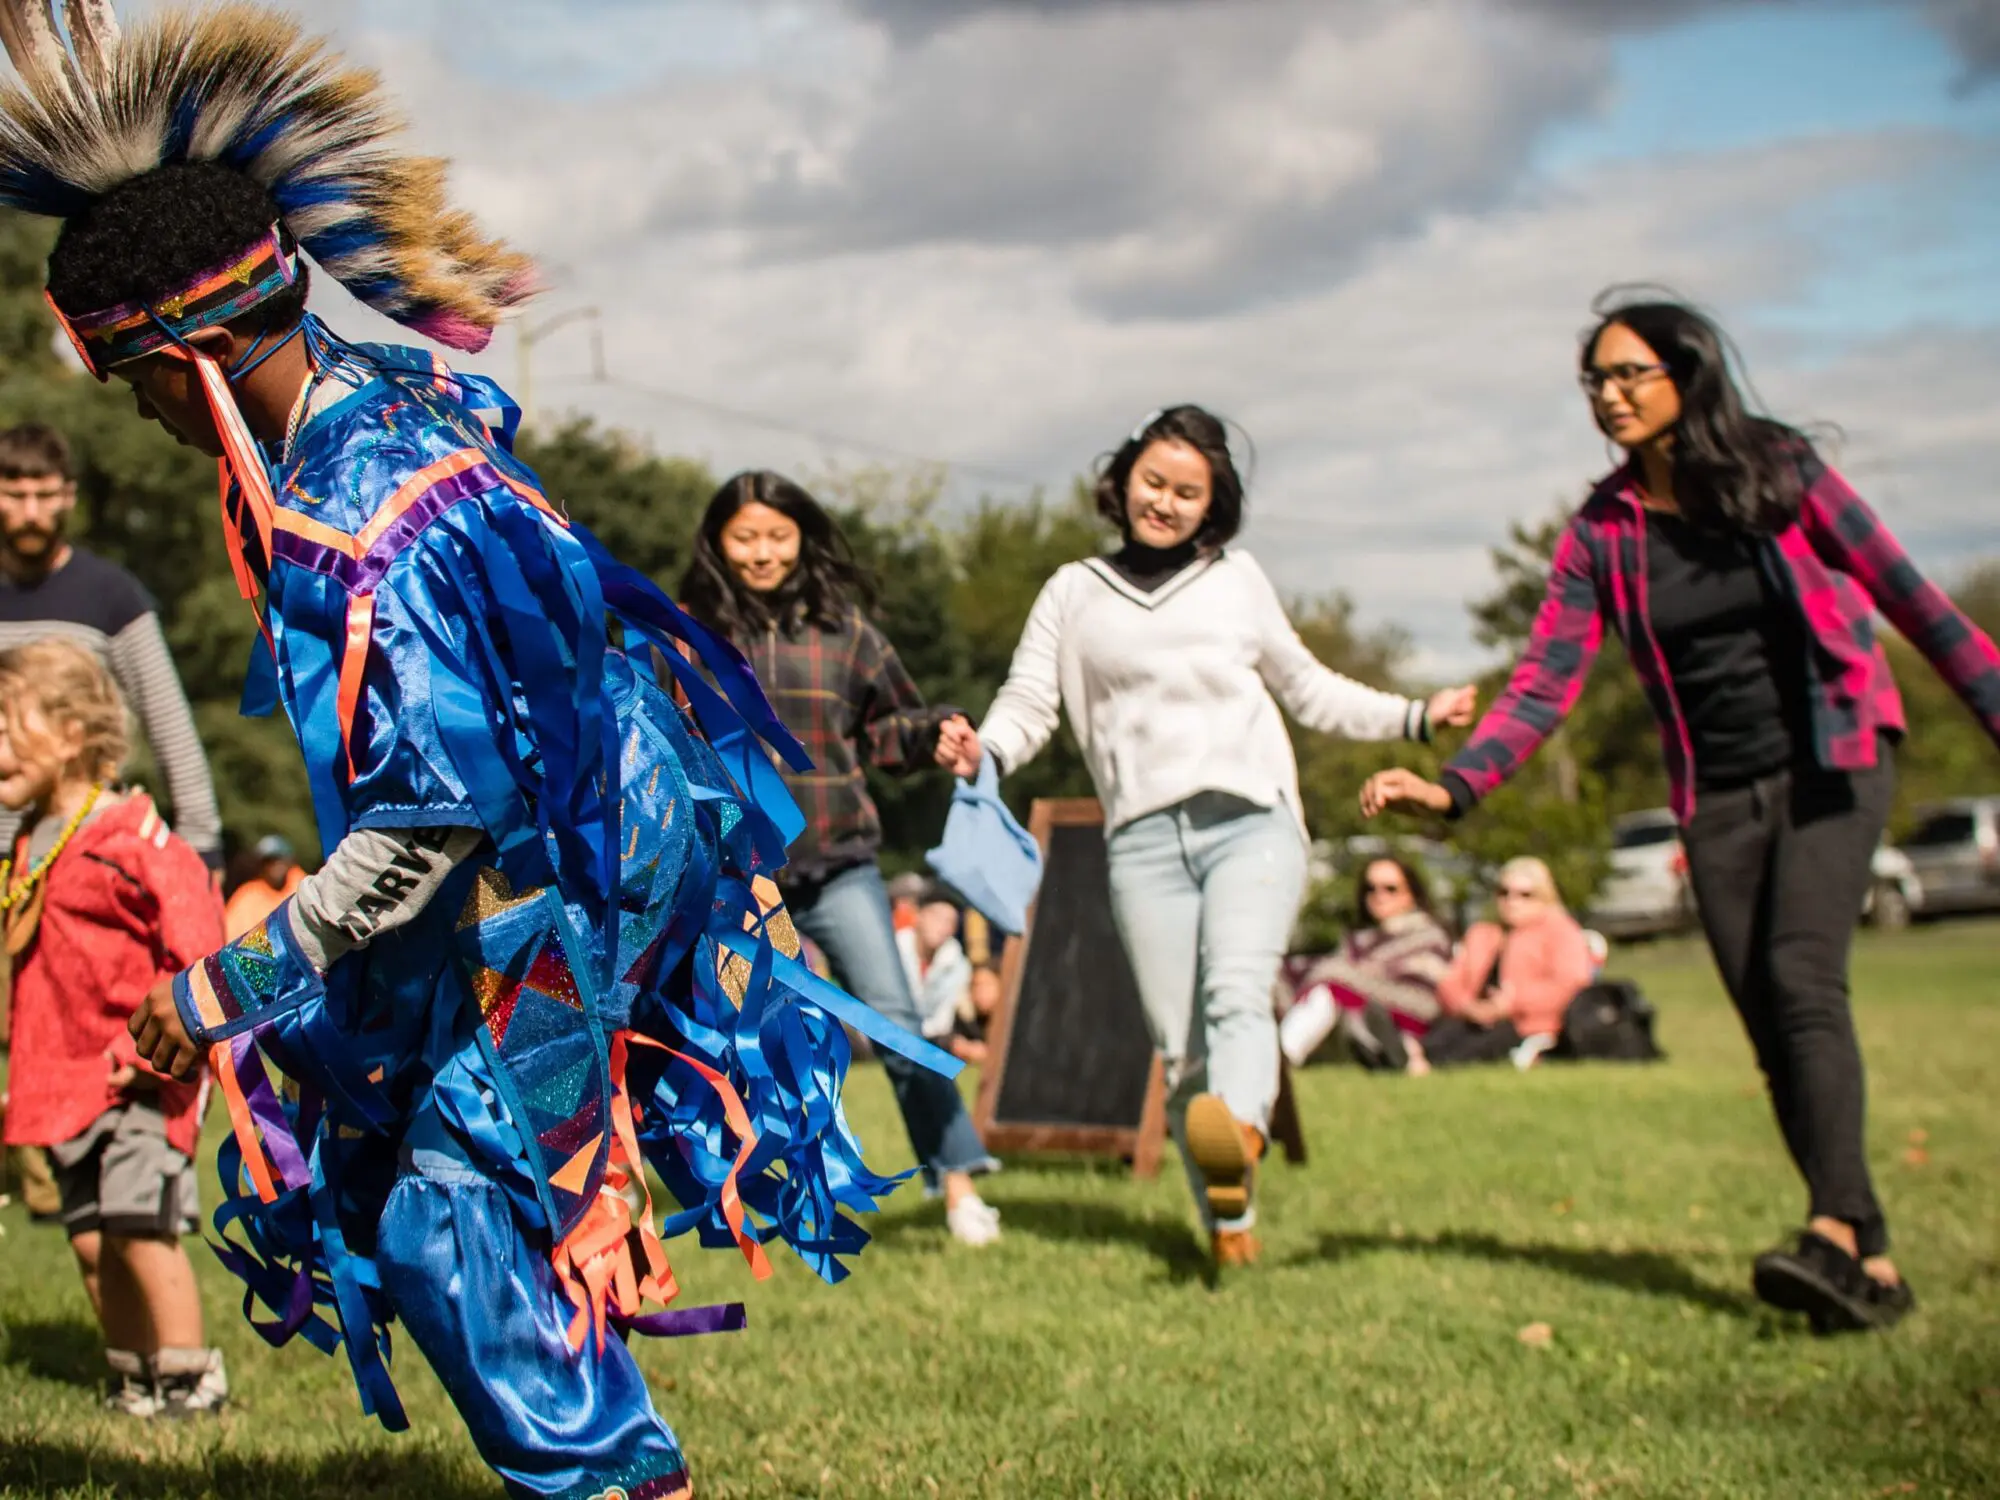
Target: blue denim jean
[[848, 917], [1205, 894]]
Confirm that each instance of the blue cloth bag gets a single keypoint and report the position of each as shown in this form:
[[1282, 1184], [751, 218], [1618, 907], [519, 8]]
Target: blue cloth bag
[[986, 855]]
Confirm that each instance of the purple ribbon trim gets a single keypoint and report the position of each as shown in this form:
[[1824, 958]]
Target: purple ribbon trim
[[686, 1322], [298, 1306], [272, 1126], [363, 574]]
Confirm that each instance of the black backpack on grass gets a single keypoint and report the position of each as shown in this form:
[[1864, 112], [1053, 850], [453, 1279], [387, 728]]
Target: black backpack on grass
[[1609, 1021]]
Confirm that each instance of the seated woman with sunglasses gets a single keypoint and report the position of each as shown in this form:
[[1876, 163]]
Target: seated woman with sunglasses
[[1512, 979], [1380, 988]]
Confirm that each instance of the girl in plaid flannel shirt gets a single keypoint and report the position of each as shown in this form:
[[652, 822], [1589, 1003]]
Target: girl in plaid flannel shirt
[[1742, 574], [772, 571]]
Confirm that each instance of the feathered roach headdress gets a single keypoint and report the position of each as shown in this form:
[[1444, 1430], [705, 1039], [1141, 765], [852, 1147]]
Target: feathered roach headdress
[[244, 88]]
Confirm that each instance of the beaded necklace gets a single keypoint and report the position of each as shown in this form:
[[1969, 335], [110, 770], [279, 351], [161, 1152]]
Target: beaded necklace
[[18, 891]]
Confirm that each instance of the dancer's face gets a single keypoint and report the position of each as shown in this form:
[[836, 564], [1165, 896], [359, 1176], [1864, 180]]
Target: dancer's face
[[761, 546], [1167, 497], [1388, 894], [1634, 402], [168, 391]]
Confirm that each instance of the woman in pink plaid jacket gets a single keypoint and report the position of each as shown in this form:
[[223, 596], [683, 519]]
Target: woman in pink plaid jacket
[[1743, 574]]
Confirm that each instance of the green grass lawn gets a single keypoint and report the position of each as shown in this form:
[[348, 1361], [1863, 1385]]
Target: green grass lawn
[[1376, 1353]]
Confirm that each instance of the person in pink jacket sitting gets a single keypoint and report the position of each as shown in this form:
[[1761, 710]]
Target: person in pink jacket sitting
[[1511, 980]]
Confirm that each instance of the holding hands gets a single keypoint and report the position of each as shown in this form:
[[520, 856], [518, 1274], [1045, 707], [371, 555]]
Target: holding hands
[[1402, 789], [958, 749], [1407, 790], [1455, 705]]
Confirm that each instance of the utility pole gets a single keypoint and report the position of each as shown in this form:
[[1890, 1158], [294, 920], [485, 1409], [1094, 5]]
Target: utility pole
[[528, 335]]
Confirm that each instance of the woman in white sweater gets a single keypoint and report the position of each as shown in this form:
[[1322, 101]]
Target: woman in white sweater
[[1166, 655]]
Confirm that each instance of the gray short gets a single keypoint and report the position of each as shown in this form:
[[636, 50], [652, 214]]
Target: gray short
[[120, 1176]]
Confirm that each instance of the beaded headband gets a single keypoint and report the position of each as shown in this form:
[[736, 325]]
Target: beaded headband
[[211, 298]]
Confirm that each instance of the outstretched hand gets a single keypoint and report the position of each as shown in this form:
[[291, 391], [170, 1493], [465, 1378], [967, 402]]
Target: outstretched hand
[[161, 1038], [958, 748], [1454, 705], [1402, 789]]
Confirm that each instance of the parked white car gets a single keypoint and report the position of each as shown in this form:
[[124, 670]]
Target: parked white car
[[1954, 852], [1646, 892], [1896, 893]]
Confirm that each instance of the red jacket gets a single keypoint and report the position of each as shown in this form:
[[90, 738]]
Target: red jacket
[[128, 905], [1543, 963]]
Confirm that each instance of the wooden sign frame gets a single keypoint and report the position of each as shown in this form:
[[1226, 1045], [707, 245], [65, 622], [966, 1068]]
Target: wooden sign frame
[[1143, 1144]]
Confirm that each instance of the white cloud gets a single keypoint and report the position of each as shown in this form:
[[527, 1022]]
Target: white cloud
[[1003, 237]]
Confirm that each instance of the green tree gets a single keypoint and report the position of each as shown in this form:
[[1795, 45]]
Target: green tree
[[890, 518], [643, 507], [1947, 753], [1332, 769], [1004, 556]]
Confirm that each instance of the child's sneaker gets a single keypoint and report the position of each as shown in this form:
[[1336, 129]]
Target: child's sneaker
[[131, 1393], [973, 1221], [1226, 1152], [190, 1382]]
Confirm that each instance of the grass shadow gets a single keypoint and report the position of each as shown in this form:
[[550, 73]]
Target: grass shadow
[[1647, 1271], [1172, 1244], [43, 1465], [70, 1350]]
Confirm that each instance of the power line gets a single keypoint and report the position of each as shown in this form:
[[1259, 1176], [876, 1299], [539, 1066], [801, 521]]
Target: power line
[[816, 435]]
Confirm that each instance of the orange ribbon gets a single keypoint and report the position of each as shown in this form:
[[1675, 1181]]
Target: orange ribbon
[[353, 666], [594, 1261], [242, 1123]]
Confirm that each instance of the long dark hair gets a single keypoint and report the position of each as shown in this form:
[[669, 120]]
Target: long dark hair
[[826, 584], [1201, 431], [1420, 892], [1734, 468]]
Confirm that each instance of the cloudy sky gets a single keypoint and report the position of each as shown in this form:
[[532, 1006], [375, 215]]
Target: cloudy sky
[[997, 233]]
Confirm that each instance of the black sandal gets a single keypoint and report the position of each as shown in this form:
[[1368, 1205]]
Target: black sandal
[[1820, 1279]]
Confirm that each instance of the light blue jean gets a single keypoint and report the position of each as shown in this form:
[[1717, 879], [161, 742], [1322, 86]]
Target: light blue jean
[[848, 917], [1205, 894]]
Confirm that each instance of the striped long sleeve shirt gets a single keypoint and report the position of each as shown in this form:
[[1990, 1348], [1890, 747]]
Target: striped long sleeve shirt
[[93, 601]]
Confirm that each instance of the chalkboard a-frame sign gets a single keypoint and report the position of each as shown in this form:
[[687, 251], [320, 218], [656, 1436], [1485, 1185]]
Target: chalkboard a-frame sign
[[1072, 1066]]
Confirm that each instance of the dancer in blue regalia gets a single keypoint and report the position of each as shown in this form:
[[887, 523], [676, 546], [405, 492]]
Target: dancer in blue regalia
[[542, 948]]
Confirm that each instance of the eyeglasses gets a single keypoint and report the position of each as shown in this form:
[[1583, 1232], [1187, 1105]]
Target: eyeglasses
[[1627, 378]]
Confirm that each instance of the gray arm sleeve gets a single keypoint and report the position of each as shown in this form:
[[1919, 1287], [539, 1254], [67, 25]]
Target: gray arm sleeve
[[375, 880], [145, 672]]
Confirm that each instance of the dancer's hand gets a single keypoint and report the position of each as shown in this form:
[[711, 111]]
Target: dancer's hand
[[161, 1038], [1454, 705], [1402, 789], [958, 748]]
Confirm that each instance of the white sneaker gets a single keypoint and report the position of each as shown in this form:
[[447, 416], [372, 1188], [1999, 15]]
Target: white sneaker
[[973, 1221], [131, 1392], [190, 1382]]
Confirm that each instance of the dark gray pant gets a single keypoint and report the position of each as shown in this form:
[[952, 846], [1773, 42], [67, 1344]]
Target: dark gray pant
[[1780, 869]]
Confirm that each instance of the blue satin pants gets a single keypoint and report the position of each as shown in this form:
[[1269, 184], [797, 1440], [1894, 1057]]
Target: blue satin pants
[[483, 1304]]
